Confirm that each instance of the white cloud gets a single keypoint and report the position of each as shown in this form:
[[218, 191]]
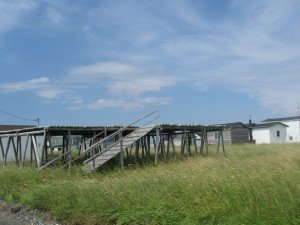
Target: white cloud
[[25, 85], [42, 86], [138, 85], [12, 13], [51, 93], [101, 69], [125, 104]]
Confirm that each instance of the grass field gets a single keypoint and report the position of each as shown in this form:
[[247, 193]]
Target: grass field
[[254, 184]]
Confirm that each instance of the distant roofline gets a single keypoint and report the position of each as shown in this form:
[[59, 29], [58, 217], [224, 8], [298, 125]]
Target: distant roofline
[[282, 119], [267, 125], [234, 124]]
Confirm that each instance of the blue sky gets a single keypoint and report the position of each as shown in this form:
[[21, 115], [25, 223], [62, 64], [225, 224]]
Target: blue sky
[[108, 62]]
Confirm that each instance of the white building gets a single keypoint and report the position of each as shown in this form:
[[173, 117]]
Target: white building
[[269, 133], [293, 129]]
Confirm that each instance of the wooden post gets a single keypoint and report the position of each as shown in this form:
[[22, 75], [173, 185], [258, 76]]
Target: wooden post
[[206, 143], [182, 141], [188, 137], [156, 146], [69, 146], [173, 145], [162, 145], [7, 148], [31, 150], [19, 149], [195, 143], [222, 139], [25, 150], [15, 149], [2, 149], [202, 143], [168, 144], [121, 151], [219, 140], [35, 148]]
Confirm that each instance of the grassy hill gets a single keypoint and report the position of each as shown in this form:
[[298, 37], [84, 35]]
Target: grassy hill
[[254, 184]]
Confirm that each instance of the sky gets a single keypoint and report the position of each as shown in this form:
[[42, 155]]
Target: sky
[[110, 62]]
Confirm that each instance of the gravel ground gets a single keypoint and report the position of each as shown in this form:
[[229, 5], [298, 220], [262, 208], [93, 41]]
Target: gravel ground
[[11, 214]]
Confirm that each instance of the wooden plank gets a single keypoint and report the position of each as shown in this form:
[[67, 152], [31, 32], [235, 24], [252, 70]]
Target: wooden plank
[[15, 150], [202, 143], [2, 149], [121, 151], [156, 146], [173, 145], [206, 143], [69, 145], [25, 150], [195, 143], [19, 149], [222, 139], [36, 153], [7, 149], [219, 140]]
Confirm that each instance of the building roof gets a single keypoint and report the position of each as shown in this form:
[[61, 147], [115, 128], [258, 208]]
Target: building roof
[[234, 125], [267, 125], [282, 119], [14, 127]]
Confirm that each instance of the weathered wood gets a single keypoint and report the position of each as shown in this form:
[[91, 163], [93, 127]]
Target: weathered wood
[[195, 143], [25, 150], [19, 149], [31, 150], [219, 140], [156, 146], [206, 143], [69, 145], [173, 145], [36, 152], [121, 151], [2, 149], [7, 149], [15, 150], [202, 143], [222, 139]]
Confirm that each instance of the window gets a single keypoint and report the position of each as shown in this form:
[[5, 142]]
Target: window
[[216, 135], [290, 138], [278, 133]]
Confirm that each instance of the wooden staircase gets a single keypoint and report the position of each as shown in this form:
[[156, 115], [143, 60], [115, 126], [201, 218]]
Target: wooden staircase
[[112, 151]]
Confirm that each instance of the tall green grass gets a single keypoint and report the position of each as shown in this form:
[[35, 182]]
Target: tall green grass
[[254, 184]]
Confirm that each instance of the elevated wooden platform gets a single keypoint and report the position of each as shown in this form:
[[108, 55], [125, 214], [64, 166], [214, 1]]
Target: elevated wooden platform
[[34, 145]]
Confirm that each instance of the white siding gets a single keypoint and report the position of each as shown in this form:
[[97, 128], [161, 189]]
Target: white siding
[[273, 134], [293, 130], [261, 136]]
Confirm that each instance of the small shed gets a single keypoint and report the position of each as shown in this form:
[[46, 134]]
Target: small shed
[[234, 133], [268, 133]]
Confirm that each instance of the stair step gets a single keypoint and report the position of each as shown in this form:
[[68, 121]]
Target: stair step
[[111, 152]]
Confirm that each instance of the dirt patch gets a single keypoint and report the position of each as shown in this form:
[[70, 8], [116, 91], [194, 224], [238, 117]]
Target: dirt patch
[[13, 214]]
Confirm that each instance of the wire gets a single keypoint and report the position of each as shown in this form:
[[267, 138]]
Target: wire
[[19, 117]]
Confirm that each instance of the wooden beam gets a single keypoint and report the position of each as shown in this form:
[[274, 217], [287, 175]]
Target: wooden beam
[[156, 146], [36, 152], [25, 150], [15, 150], [219, 140], [222, 139], [206, 143], [2, 149], [202, 143], [7, 149], [121, 151]]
